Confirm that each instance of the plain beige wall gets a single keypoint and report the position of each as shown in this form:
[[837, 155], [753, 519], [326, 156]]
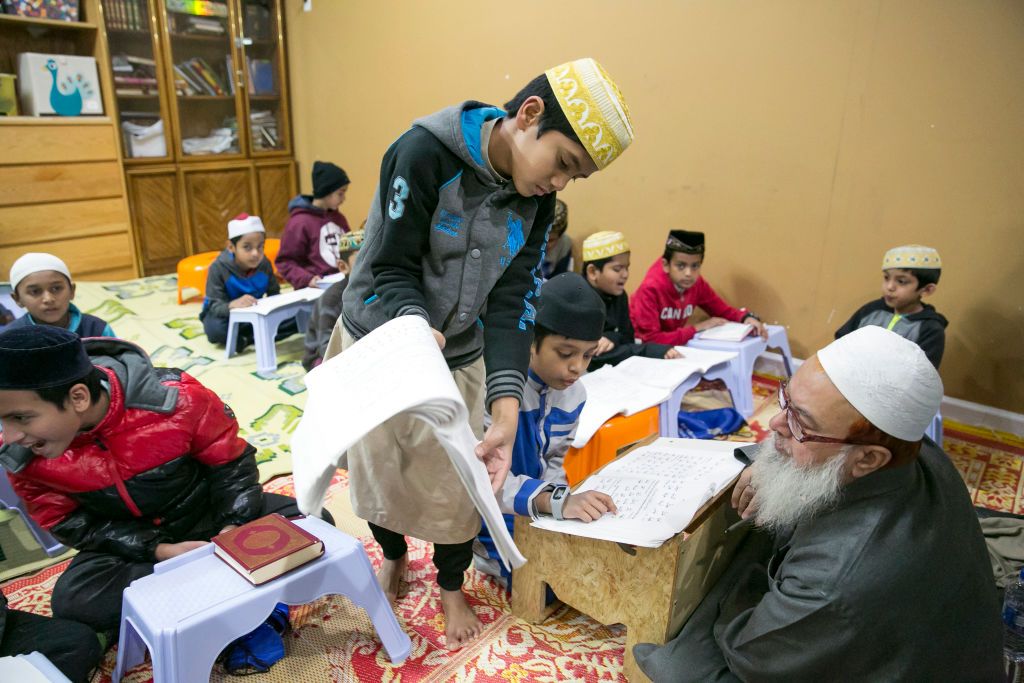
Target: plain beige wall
[[804, 137]]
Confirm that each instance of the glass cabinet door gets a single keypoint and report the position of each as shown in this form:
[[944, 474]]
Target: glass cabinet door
[[262, 72], [139, 84], [202, 62]]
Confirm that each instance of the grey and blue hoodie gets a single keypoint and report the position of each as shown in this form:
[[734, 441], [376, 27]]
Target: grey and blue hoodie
[[926, 328], [451, 241]]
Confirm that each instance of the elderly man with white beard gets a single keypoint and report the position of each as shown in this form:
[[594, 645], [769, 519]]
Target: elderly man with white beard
[[866, 561]]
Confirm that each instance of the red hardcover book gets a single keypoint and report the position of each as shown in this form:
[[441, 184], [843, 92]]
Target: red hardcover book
[[267, 547]]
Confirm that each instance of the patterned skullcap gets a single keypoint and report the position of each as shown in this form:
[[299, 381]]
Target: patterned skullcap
[[604, 244], [595, 108], [911, 256]]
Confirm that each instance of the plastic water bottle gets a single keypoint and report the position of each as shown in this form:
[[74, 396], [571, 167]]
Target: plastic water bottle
[[1013, 624]]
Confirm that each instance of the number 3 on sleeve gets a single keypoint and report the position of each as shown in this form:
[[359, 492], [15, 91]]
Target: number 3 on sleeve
[[401, 193]]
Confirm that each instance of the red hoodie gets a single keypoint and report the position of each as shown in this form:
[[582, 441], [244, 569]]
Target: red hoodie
[[660, 313]]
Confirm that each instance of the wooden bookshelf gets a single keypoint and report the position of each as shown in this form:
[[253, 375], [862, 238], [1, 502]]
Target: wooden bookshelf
[[179, 201], [62, 183]]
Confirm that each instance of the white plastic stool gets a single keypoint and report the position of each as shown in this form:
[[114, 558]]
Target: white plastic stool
[[668, 412], [934, 431], [30, 668], [741, 368], [264, 327], [193, 605]]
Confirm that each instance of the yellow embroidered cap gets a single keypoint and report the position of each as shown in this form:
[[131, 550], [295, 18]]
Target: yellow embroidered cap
[[595, 108], [351, 241], [604, 244], [911, 256]]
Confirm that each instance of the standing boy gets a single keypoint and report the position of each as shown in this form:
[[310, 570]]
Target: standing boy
[[456, 235], [673, 287], [570, 316], [309, 245], [606, 267], [909, 273]]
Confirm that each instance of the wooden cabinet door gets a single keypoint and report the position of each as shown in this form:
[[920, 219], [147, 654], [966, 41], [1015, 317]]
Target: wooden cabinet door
[[156, 214], [277, 185], [215, 195]]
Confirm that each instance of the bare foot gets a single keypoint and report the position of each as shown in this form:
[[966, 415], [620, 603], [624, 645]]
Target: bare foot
[[391, 577], [461, 624]]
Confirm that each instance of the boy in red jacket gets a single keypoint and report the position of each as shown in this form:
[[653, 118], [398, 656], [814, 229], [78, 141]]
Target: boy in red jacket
[[127, 463], [661, 307]]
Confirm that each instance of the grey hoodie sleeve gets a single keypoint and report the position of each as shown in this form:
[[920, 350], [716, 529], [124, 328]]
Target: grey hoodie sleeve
[[508, 323], [216, 292], [410, 175]]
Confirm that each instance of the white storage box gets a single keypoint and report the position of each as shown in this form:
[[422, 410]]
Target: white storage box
[[145, 141], [65, 85]]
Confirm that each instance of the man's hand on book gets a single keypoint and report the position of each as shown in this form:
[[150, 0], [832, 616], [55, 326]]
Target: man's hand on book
[[165, 551], [495, 451], [744, 495], [588, 506]]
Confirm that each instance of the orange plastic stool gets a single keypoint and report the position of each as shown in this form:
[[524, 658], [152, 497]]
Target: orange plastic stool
[[613, 436], [271, 246], [192, 273]]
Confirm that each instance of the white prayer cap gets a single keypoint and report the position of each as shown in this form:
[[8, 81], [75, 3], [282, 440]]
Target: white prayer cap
[[887, 378], [35, 262], [243, 224]]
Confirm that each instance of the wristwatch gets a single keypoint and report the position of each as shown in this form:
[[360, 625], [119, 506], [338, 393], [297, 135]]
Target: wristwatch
[[558, 498], [751, 314]]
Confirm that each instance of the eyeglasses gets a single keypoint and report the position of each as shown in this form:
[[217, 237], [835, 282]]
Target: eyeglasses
[[797, 429]]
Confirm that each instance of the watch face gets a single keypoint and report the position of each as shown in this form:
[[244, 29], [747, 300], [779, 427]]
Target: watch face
[[559, 493]]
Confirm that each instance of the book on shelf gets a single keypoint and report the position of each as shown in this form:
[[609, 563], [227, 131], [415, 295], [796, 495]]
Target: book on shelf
[[126, 15], [261, 77], [266, 548], [202, 8]]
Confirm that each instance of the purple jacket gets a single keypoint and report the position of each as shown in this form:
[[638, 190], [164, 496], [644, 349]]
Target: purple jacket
[[309, 245]]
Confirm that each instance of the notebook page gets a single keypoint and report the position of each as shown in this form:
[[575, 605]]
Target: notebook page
[[355, 391]]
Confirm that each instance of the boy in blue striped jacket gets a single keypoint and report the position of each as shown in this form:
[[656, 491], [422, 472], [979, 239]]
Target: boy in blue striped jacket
[[569, 323]]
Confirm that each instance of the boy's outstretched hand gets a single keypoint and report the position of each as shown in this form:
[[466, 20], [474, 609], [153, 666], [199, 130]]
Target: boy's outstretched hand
[[244, 301], [495, 451], [760, 329], [588, 506], [165, 551]]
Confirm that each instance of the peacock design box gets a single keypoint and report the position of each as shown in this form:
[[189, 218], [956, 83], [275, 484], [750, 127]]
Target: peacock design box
[[61, 85]]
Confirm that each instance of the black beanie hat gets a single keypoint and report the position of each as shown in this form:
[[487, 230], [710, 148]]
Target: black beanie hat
[[569, 306], [685, 241], [40, 357], [327, 178]]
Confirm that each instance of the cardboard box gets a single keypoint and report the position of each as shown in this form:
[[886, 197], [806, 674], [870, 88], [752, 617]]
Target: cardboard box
[[65, 85]]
